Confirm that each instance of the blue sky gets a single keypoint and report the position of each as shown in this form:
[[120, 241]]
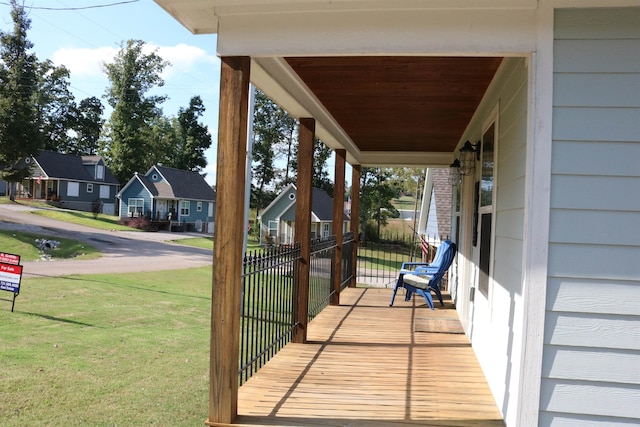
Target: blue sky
[[83, 39]]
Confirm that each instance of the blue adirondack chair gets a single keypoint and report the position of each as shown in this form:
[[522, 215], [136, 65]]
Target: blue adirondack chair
[[424, 278]]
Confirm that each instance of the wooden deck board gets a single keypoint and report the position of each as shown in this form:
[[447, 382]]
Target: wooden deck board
[[365, 365]]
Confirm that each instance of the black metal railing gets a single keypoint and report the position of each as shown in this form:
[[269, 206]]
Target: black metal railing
[[348, 241], [320, 274], [268, 289], [269, 293], [380, 260]]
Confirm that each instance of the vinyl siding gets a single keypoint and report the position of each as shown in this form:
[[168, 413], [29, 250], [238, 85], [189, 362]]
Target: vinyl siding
[[591, 361], [498, 319]]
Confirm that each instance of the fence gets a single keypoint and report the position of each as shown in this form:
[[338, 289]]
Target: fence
[[270, 290], [380, 260]]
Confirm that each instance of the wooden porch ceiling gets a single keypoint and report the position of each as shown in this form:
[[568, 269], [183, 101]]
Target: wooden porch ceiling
[[399, 104]]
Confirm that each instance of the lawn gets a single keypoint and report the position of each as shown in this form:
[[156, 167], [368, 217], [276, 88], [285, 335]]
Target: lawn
[[107, 350], [25, 245], [103, 222]]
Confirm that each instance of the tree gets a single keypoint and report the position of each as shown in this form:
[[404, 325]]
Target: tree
[[193, 138], [375, 200], [55, 104], [19, 138], [131, 76], [268, 132], [87, 124]]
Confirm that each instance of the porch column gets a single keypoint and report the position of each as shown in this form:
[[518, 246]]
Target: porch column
[[306, 135], [338, 220], [229, 232], [355, 220]]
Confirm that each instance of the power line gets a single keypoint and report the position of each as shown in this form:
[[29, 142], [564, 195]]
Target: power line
[[76, 8]]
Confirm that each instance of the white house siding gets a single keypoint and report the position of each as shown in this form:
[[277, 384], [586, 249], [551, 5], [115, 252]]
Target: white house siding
[[591, 360], [496, 322]]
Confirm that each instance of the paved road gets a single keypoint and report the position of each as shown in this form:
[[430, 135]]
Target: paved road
[[122, 251]]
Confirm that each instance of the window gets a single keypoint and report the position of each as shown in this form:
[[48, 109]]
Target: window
[[199, 207], [325, 229], [135, 207], [73, 189], [273, 228], [89, 188], [105, 191], [185, 207], [99, 172], [485, 209]]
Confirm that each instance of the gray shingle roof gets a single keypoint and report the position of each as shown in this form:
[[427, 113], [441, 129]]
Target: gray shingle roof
[[184, 185], [71, 167]]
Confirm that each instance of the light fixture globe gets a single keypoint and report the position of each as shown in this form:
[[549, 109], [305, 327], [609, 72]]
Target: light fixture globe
[[454, 173], [467, 159]]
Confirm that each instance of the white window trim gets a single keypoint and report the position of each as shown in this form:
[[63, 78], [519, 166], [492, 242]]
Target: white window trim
[[73, 189], [199, 206], [184, 206], [136, 212], [99, 171], [89, 187], [105, 189]]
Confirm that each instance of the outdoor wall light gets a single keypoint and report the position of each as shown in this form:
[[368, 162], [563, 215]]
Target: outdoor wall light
[[454, 173], [469, 153]]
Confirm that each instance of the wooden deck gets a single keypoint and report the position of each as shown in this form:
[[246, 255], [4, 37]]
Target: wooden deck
[[365, 365]]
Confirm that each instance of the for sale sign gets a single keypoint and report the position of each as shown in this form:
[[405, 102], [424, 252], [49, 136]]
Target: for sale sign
[[10, 276]]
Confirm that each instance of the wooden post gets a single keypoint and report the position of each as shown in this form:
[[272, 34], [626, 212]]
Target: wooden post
[[338, 220], [229, 231], [306, 135], [355, 220]]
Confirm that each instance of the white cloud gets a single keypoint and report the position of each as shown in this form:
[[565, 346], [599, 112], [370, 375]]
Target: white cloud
[[83, 62]]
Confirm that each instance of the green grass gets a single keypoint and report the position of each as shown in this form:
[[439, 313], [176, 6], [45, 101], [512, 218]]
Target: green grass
[[106, 350], [197, 242], [404, 202], [103, 222], [24, 244]]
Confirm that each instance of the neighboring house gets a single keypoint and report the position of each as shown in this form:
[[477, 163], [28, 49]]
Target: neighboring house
[[277, 221], [547, 279], [70, 181], [177, 198]]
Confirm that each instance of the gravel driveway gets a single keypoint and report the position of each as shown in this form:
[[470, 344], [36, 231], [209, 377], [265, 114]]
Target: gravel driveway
[[122, 251]]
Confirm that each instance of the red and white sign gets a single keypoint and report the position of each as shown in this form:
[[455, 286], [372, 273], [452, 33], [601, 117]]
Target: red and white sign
[[10, 276], [9, 258]]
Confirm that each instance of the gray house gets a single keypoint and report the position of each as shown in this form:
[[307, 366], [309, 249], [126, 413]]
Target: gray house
[[277, 221], [70, 181], [170, 197]]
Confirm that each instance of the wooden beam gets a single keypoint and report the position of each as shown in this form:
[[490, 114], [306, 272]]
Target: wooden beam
[[338, 220], [355, 219], [306, 135], [229, 231]]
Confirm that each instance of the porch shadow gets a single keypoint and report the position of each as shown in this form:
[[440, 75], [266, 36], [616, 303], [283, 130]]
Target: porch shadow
[[364, 365]]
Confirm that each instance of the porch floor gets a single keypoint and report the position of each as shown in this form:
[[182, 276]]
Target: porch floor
[[365, 365]]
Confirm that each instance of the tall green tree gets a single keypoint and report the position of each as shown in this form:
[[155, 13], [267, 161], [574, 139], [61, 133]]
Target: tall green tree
[[132, 75], [87, 123], [19, 137], [268, 132], [56, 106], [193, 138], [377, 191]]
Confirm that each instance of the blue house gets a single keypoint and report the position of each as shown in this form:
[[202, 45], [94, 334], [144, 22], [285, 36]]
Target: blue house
[[179, 199], [70, 181], [277, 221]]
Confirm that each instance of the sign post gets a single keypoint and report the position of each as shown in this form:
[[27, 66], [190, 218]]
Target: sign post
[[10, 275]]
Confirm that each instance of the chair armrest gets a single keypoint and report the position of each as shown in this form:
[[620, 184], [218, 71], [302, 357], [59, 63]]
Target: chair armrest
[[413, 264]]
